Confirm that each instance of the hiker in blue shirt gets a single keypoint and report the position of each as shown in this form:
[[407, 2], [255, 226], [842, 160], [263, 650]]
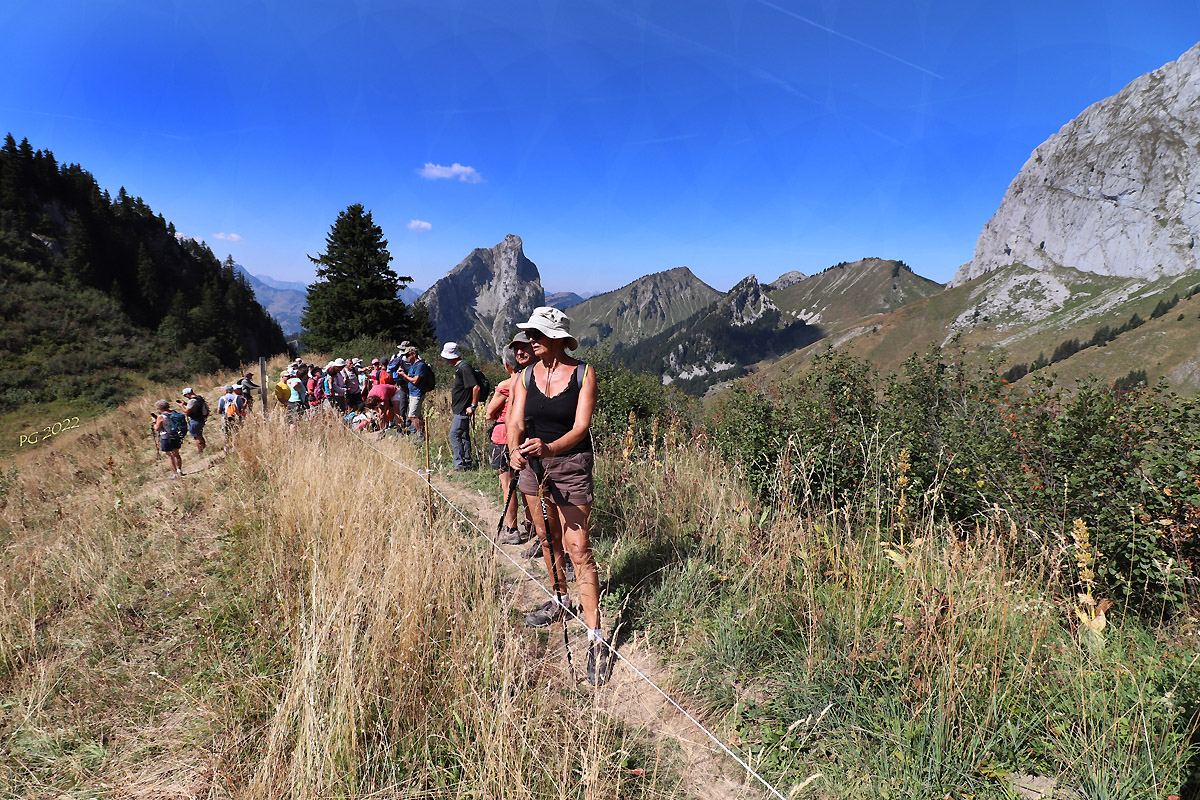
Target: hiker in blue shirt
[[419, 377]]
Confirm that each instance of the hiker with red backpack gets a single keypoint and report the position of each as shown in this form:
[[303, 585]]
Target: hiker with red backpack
[[232, 408]]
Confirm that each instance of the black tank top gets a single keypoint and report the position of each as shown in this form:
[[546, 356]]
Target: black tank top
[[553, 417]]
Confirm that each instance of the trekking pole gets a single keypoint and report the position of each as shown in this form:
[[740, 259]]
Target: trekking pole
[[540, 473], [512, 489], [428, 485], [154, 436]]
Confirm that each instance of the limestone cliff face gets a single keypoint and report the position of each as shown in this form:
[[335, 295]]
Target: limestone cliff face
[[479, 302], [746, 303], [1115, 192]]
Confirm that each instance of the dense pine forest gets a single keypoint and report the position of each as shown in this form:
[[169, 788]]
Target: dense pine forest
[[99, 292]]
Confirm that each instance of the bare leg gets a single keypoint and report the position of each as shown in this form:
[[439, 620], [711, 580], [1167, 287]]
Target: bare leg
[[575, 521], [555, 538]]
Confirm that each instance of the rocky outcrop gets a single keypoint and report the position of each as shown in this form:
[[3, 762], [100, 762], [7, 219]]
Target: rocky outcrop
[[786, 279], [746, 303], [1115, 192], [479, 302], [719, 342]]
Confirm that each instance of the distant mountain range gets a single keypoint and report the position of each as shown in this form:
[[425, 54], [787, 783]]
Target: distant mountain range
[[1089, 265], [563, 300], [284, 300], [1092, 245]]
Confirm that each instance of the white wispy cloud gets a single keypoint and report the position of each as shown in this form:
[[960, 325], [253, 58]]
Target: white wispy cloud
[[420, 225], [455, 171], [228, 237]]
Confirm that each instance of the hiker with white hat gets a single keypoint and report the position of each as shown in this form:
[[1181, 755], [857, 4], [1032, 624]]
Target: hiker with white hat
[[336, 388], [464, 397], [550, 443]]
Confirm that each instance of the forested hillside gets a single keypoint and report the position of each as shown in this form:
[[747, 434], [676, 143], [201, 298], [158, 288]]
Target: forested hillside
[[95, 290]]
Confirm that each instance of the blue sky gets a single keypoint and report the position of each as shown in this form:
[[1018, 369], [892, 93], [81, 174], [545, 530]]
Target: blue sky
[[616, 139]]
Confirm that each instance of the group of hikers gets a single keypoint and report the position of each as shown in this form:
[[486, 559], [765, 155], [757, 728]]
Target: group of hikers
[[381, 396], [170, 427], [540, 444]]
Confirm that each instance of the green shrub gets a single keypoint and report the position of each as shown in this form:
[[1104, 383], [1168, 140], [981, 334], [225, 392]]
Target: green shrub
[[954, 441]]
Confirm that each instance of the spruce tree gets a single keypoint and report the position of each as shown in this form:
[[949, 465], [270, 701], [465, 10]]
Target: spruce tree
[[355, 290]]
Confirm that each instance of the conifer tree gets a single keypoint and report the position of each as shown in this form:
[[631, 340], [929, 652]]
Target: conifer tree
[[355, 290], [147, 276]]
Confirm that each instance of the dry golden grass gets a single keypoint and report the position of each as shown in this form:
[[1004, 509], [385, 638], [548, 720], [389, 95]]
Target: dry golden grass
[[930, 660], [281, 623]]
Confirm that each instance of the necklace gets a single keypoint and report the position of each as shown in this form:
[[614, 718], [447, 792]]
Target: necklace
[[550, 376]]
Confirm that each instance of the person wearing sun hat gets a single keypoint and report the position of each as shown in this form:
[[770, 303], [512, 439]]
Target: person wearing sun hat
[[464, 397], [550, 421]]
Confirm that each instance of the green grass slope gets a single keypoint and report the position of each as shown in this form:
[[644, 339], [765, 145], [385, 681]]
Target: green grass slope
[[847, 292], [1022, 314], [641, 309]]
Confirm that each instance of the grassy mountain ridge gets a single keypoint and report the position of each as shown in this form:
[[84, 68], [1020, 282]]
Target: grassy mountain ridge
[[1023, 314], [849, 291], [640, 309], [718, 342]]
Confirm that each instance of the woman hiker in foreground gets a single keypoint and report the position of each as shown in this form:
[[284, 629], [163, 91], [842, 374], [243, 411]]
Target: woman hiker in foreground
[[549, 419]]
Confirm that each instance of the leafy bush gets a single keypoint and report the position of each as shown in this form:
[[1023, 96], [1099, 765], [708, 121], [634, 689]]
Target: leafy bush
[[955, 441]]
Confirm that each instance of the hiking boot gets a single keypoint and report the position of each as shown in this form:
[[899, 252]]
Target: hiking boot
[[597, 663], [547, 614], [511, 536], [534, 550]]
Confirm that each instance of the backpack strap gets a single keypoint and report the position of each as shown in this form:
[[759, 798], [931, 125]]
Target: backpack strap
[[581, 370], [527, 376]]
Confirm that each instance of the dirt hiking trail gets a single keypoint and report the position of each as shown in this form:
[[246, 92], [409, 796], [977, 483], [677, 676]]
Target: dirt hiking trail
[[708, 773]]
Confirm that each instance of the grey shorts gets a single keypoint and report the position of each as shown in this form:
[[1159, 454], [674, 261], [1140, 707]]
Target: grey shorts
[[414, 405], [568, 479]]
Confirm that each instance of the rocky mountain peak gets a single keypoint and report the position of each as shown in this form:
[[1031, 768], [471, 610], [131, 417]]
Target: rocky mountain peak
[[1114, 192], [787, 279], [479, 302], [747, 302]]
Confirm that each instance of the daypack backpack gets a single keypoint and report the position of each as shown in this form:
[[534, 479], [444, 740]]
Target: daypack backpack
[[233, 410], [319, 389], [176, 424], [201, 408], [428, 381], [485, 386]]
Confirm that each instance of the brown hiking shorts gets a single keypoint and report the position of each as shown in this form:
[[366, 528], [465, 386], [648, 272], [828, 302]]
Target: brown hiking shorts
[[568, 479]]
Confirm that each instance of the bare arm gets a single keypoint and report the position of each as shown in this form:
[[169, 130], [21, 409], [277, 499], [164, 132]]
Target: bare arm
[[497, 402], [515, 422]]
